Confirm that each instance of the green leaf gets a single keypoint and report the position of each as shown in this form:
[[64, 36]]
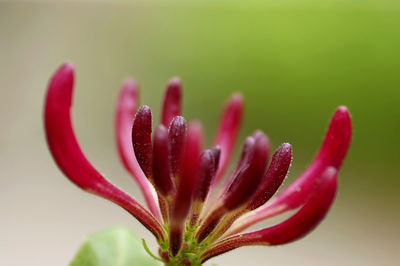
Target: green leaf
[[115, 246]]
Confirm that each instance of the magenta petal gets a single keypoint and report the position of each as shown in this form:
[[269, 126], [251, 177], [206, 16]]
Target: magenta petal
[[172, 102], [332, 152], [69, 157], [228, 129], [141, 139], [125, 113], [297, 226], [161, 166]]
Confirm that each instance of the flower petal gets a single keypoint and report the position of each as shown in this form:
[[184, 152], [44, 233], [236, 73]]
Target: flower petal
[[125, 113], [332, 152], [297, 226], [228, 129], [172, 102], [69, 157]]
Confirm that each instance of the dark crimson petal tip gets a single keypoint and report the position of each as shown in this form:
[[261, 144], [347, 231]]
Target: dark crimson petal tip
[[161, 165], [172, 101], [141, 138], [68, 155], [177, 138], [297, 226]]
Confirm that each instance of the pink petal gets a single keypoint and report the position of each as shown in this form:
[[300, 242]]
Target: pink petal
[[172, 102], [228, 129], [69, 157], [125, 113]]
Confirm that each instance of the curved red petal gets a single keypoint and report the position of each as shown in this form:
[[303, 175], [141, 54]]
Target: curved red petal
[[297, 226], [332, 153], [229, 126], [172, 102], [125, 113], [69, 157]]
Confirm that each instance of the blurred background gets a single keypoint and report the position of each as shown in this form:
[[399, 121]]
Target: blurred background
[[294, 61]]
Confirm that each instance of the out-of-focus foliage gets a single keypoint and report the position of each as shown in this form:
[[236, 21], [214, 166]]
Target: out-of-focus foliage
[[113, 246]]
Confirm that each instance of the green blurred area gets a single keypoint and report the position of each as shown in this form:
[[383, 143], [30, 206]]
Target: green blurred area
[[294, 62]]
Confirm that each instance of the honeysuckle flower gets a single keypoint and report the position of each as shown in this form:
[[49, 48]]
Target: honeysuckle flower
[[178, 177]]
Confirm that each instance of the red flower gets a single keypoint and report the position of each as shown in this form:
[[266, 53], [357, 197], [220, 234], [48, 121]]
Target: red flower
[[177, 177]]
